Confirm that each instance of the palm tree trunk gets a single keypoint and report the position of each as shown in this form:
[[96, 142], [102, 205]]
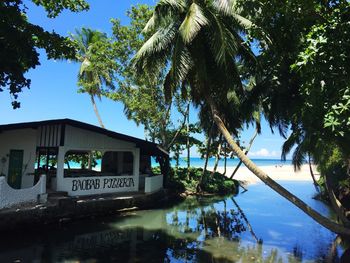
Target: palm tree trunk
[[324, 221], [188, 141], [217, 158], [246, 152], [207, 153], [312, 173], [225, 163], [332, 254], [336, 204], [96, 111], [206, 159]]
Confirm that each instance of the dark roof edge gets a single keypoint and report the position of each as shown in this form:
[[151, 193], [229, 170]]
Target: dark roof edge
[[82, 125]]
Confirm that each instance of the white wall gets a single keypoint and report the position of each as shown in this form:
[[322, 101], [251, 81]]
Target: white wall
[[76, 138], [93, 185], [79, 139], [10, 196], [153, 183], [22, 139]]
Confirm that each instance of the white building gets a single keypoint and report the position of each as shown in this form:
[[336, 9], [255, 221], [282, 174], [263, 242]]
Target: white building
[[77, 158]]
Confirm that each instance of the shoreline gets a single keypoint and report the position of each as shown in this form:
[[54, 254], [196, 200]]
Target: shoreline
[[280, 173]]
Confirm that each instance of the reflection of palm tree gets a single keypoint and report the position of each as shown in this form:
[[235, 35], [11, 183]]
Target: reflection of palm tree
[[92, 76], [246, 220]]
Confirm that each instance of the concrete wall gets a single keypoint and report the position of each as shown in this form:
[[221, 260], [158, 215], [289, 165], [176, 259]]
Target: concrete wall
[[79, 139], [76, 138], [22, 139], [10, 196], [153, 183], [93, 185]]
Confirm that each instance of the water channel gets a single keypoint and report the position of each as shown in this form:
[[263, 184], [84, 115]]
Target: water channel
[[255, 226]]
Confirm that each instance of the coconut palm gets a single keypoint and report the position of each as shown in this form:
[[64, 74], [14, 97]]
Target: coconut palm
[[200, 43], [96, 68], [256, 132]]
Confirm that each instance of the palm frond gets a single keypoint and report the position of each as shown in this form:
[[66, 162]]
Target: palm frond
[[178, 4], [160, 40], [165, 11], [222, 41], [84, 66], [298, 157], [227, 7], [257, 119], [193, 22], [287, 146], [242, 21], [181, 61], [224, 6], [150, 25]]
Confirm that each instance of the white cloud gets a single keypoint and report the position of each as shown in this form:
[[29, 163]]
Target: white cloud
[[263, 152]]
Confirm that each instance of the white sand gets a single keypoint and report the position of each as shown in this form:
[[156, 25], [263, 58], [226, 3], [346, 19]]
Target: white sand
[[284, 173]]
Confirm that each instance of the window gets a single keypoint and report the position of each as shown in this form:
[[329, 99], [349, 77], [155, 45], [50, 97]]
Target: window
[[82, 163], [46, 159], [94, 163]]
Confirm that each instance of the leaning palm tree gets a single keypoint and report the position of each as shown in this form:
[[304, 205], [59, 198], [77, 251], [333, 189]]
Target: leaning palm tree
[[305, 144], [257, 131], [94, 72], [200, 43]]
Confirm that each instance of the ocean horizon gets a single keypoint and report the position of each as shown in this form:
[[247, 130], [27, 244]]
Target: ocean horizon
[[199, 162]]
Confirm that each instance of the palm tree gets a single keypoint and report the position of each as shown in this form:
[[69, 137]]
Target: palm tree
[[257, 131], [306, 143], [96, 68], [200, 42]]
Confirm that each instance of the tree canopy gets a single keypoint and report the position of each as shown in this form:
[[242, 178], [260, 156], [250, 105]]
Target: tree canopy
[[143, 95], [95, 53], [203, 42], [20, 41], [304, 71]]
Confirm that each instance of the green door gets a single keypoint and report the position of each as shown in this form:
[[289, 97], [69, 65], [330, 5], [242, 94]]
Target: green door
[[15, 169]]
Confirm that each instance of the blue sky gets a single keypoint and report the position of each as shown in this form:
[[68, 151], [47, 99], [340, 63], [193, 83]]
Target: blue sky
[[53, 93]]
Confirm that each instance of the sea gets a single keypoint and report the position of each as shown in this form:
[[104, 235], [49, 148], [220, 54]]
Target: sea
[[198, 162]]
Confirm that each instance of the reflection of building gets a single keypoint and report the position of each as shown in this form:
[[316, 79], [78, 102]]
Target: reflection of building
[[77, 158]]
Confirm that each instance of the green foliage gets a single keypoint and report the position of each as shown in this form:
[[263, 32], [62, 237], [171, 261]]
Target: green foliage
[[331, 162], [55, 7], [322, 66], [304, 66], [20, 41], [95, 53], [143, 95], [83, 158], [187, 180], [200, 45]]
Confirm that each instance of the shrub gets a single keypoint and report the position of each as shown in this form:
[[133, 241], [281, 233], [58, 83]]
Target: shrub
[[181, 180]]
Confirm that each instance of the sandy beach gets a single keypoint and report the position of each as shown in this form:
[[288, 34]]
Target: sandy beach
[[284, 173]]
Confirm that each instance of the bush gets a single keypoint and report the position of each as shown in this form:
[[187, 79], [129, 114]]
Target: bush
[[331, 163], [181, 180]]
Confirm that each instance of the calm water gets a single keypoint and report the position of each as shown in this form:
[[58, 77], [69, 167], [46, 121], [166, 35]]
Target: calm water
[[196, 230]]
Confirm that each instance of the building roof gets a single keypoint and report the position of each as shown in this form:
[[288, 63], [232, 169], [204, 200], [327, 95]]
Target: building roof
[[146, 147]]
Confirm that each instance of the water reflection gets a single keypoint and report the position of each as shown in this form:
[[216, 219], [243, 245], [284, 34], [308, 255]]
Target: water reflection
[[197, 230]]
